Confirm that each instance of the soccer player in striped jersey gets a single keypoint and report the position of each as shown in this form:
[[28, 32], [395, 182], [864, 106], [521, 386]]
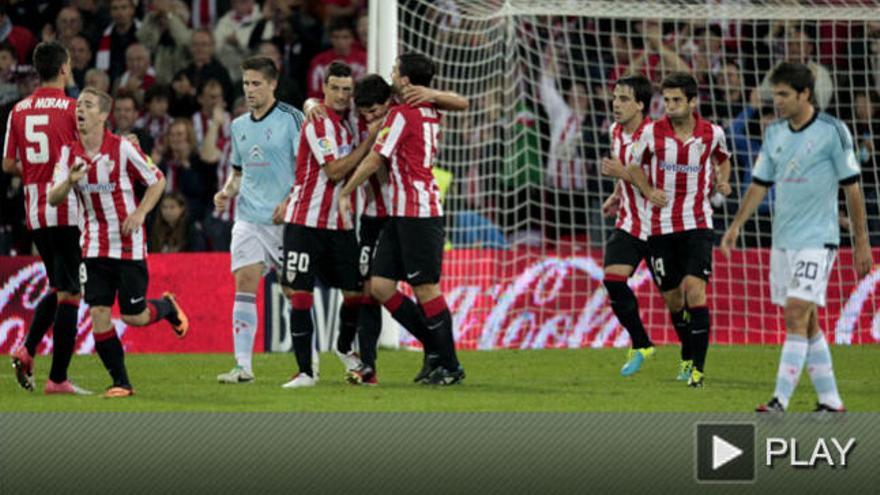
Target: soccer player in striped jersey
[[628, 245], [808, 155], [37, 128], [102, 168], [264, 146], [685, 157], [410, 247], [319, 240]]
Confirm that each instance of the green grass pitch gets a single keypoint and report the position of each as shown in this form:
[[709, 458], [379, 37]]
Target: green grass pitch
[[737, 379]]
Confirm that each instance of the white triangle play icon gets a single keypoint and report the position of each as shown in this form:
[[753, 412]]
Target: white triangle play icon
[[723, 452]]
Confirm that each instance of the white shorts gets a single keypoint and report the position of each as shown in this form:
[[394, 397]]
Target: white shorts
[[254, 243], [800, 273]]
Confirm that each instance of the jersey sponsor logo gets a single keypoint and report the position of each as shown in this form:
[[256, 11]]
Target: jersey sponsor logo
[[680, 169], [97, 188]]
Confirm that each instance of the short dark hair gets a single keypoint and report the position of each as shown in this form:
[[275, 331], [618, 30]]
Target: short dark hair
[[417, 67], [262, 64], [49, 56], [642, 89], [157, 91], [340, 23], [683, 81], [337, 69], [124, 94], [371, 90], [796, 75]]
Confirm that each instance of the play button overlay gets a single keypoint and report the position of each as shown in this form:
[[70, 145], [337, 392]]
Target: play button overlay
[[725, 452]]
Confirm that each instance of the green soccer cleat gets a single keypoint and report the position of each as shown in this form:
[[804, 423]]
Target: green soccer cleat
[[684, 370], [634, 360], [696, 379]]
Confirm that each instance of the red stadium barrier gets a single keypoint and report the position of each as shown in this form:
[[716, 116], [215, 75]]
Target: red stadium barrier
[[550, 302], [201, 281]]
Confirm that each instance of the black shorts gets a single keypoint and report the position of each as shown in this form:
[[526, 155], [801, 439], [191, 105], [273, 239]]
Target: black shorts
[[331, 255], [103, 278], [673, 256], [369, 232], [61, 254], [624, 248], [411, 249]]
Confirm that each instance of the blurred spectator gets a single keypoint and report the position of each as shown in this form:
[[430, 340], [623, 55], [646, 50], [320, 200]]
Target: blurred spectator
[[125, 114], [866, 134], [233, 35], [727, 98], [746, 132], [122, 31], [80, 59], [183, 97], [297, 35], [20, 38], [205, 13], [155, 120], [139, 75], [184, 170], [173, 231], [98, 79], [32, 14], [8, 75], [210, 100], [287, 90], [165, 33], [218, 225], [799, 47], [341, 8], [362, 27], [68, 25], [345, 49], [94, 18], [205, 66]]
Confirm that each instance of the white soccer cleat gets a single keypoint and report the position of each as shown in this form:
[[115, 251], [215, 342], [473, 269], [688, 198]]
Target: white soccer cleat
[[236, 375], [301, 380], [351, 360]]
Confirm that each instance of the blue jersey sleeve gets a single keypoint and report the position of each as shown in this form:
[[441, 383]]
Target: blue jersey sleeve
[[843, 156], [235, 155]]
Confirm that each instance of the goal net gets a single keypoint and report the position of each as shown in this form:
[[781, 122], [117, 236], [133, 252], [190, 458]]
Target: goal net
[[524, 212]]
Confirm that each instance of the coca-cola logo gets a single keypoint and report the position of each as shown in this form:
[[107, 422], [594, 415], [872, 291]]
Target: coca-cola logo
[[21, 293]]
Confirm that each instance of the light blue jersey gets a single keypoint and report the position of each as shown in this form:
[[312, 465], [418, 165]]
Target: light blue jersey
[[265, 152], [807, 166]]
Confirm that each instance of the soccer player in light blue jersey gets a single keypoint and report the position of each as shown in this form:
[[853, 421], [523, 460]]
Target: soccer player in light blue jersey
[[264, 147], [806, 155]]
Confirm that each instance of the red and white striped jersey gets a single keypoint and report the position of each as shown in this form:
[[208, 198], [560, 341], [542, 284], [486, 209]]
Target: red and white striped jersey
[[375, 189], [36, 129], [408, 140], [200, 126], [684, 170], [313, 199], [632, 211], [107, 197], [566, 168]]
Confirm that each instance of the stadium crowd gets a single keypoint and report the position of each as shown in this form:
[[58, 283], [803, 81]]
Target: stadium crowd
[[173, 69]]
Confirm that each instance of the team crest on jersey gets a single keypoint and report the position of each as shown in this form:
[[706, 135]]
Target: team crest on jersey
[[110, 164], [256, 153], [808, 148], [268, 134]]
